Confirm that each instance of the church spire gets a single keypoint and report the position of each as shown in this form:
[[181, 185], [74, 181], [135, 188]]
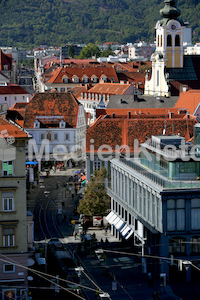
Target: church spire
[[169, 12]]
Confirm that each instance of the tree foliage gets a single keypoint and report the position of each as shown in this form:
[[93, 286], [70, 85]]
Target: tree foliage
[[58, 22], [95, 201], [89, 51]]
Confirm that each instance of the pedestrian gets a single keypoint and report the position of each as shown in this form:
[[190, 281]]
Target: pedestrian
[[75, 235], [106, 230]]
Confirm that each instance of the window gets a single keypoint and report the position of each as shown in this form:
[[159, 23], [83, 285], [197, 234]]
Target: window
[[23, 97], [8, 268], [195, 244], [195, 212], [5, 98], [62, 89], [177, 40], [66, 136], [42, 136], [15, 98], [7, 168], [158, 40], [177, 245], [75, 79], [8, 237], [85, 79], [169, 40], [97, 165], [49, 136], [5, 67], [55, 136], [176, 215], [157, 77], [65, 80], [8, 201]]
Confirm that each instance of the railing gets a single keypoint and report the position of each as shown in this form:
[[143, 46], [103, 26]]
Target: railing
[[158, 179]]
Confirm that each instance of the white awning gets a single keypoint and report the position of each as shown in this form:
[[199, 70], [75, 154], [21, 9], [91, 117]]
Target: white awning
[[116, 221], [129, 235], [125, 230], [110, 215]]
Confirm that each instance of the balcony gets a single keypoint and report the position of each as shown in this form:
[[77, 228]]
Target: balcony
[[158, 179]]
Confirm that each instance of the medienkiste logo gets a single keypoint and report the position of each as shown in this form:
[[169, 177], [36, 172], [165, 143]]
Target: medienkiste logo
[[7, 150]]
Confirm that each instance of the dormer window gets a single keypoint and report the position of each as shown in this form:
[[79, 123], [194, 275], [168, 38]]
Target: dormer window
[[104, 78], [65, 79], [94, 78], [85, 79], [75, 79], [5, 67], [62, 124], [36, 124]]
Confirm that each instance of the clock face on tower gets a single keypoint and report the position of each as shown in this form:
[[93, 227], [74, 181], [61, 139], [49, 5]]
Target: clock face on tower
[[173, 26]]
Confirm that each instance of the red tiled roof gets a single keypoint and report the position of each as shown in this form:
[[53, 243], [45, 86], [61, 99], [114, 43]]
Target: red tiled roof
[[116, 131], [52, 104], [56, 76], [47, 61], [77, 90], [19, 105], [12, 129], [110, 88], [12, 89], [137, 111], [189, 100]]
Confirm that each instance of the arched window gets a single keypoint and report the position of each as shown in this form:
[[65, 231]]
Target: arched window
[[177, 40], [158, 40], [169, 40]]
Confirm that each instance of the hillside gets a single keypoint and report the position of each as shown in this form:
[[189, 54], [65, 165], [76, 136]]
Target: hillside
[[29, 23]]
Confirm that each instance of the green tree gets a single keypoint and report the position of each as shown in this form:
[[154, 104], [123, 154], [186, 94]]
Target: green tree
[[70, 51], [89, 51], [95, 201], [107, 52]]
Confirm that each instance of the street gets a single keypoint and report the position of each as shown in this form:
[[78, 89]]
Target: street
[[119, 275]]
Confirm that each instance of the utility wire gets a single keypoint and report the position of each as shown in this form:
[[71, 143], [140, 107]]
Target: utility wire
[[39, 273]]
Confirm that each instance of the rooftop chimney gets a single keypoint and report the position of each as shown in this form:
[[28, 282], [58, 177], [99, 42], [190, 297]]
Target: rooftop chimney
[[128, 114], [113, 115]]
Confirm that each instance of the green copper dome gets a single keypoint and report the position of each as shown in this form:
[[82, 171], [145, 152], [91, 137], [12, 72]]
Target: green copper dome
[[169, 12]]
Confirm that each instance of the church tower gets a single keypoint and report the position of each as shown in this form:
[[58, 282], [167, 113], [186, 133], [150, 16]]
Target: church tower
[[169, 49]]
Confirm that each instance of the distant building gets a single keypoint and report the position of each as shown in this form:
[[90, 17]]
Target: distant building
[[65, 77], [58, 120], [140, 50], [75, 48], [8, 66], [100, 94], [13, 93]]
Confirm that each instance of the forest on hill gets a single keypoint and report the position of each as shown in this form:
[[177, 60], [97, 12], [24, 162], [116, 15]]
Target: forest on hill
[[30, 23]]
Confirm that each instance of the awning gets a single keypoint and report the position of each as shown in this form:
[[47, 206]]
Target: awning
[[125, 230], [31, 163]]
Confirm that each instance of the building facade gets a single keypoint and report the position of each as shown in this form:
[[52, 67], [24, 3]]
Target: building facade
[[57, 124], [13, 220], [155, 201]]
